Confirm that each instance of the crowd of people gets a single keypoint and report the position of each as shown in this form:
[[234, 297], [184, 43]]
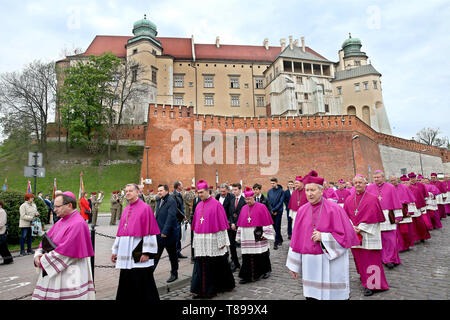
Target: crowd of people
[[375, 221]]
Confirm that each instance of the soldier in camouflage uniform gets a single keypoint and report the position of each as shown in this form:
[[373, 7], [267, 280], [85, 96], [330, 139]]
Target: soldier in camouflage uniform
[[152, 200], [121, 194], [115, 207], [188, 198]]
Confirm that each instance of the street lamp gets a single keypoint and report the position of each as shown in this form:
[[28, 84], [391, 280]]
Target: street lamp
[[353, 154], [147, 148], [420, 157]]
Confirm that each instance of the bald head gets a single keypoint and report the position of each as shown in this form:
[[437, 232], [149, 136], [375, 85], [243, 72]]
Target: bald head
[[393, 180]]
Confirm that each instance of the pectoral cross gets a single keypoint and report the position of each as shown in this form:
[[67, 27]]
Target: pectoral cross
[[356, 212], [249, 219], [380, 197], [201, 220]]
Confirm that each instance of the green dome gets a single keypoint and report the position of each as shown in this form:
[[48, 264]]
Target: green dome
[[352, 47], [351, 41], [144, 27]]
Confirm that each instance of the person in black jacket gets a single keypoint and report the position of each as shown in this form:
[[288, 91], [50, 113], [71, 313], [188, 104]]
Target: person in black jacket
[[226, 200], [287, 197], [237, 203], [276, 197], [196, 201], [166, 216], [259, 197], [178, 187]]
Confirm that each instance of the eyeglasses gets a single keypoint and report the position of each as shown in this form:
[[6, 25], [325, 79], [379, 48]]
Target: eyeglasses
[[55, 207]]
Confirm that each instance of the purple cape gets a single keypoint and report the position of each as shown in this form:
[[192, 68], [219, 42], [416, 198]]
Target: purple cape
[[214, 217], [342, 195], [432, 188], [404, 194], [332, 220], [389, 199], [420, 193], [369, 208], [139, 219], [71, 235], [259, 216], [330, 194], [440, 185], [297, 196]]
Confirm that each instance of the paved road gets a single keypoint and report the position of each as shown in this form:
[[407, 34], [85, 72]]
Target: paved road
[[423, 274]]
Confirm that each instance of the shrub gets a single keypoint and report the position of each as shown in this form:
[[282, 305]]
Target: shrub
[[12, 201], [134, 150]]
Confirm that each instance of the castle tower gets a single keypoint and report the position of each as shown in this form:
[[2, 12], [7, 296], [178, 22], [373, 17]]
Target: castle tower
[[358, 84]]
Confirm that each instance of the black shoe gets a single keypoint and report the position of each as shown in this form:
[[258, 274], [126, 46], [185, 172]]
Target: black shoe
[[23, 253], [423, 241], [30, 252], [390, 265], [275, 247], [289, 237], [234, 267], [172, 278], [180, 256], [368, 292], [243, 281], [192, 260], [266, 275]]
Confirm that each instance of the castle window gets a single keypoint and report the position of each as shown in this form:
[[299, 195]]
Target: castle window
[[357, 87], [357, 63], [259, 83], [235, 101], [375, 84], [208, 81], [260, 101], [135, 51], [178, 100], [366, 85], [178, 80], [234, 82], [134, 71], [299, 80], [154, 73], [209, 100], [327, 108], [339, 90], [305, 96]]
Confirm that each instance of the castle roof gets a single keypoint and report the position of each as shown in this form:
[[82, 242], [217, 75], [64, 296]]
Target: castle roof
[[181, 48], [356, 72]]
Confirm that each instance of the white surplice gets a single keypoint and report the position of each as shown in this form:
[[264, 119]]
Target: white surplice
[[67, 278], [123, 247], [246, 236], [324, 276]]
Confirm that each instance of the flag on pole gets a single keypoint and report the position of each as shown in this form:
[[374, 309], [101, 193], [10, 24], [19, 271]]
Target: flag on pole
[[81, 185], [29, 191], [55, 187], [5, 185]]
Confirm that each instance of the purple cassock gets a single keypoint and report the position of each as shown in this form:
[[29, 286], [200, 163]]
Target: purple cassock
[[432, 218], [387, 195], [342, 194], [442, 187], [330, 194], [366, 208], [71, 235], [255, 216], [405, 231], [420, 228], [324, 216], [209, 217], [298, 198], [138, 221]]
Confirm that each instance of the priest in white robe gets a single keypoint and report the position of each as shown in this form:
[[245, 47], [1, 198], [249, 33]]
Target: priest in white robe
[[64, 261], [320, 241]]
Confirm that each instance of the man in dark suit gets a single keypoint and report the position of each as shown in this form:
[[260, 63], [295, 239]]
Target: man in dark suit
[[166, 216], [287, 197], [194, 205], [226, 200], [178, 187], [237, 203], [259, 197]]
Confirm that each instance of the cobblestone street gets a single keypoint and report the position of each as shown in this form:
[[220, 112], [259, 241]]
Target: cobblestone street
[[423, 274]]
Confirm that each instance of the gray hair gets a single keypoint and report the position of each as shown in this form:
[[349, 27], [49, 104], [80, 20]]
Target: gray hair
[[134, 185], [224, 185]]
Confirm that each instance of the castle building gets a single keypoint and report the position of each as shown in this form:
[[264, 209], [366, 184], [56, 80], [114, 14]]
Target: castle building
[[245, 80]]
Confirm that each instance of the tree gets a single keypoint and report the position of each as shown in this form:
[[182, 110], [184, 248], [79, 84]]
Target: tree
[[125, 88], [430, 137], [83, 97], [30, 95]]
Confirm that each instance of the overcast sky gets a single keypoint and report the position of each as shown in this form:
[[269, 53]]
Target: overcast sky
[[408, 42]]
